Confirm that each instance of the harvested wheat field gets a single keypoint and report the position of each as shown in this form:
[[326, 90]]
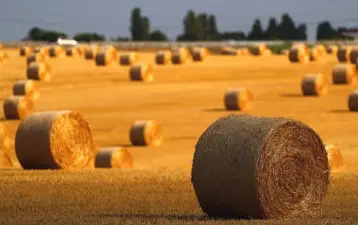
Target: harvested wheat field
[[185, 100]]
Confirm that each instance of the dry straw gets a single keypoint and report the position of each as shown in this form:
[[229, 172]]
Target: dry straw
[[229, 51], [180, 55], [314, 84], [146, 133], [315, 54], [55, 140], [163, 57], [24, 51], [91, 51], [17, 107], [26, 88], [39, 71], [55, 51], [332, 49], [141, 72], [5, 161], [72, 51], [238, 99], [258, 50], [113, 157], [42, 50], [335, 158], [353, 56], [104, 58], [243, 51], [258, 167], [353, 101], [343, 53], [128, 59], [36, 57], [344, 74], [299, 54], [321, 49], [199, 54]]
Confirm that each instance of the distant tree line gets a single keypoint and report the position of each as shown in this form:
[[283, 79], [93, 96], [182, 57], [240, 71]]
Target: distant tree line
[[203, 27]]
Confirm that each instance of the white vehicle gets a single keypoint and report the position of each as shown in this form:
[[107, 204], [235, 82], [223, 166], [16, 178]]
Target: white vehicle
[[66, 42]]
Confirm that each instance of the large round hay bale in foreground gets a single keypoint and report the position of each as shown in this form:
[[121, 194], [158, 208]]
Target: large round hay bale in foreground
[[36, 57], [39, 71], [344, 74], [353, 56], [258, 167], [24, 51], [314, 84], [54, 140], [163, 57], [146, 133], [353, 101], [141, 72], [335, 158], [298, 54], [17, 107], [103, 58], [26, 88], [128, 59], [199, 54], [238, 99], [343, 53], [113, 157], [5, 161]]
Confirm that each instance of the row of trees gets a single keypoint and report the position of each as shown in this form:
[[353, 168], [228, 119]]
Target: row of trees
[[203, 27]]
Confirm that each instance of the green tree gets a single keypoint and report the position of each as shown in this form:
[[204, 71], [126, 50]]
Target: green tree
[[190, 25], [256, 32], [325, 31], [212, 29], [136, 27], [272, 30], [301, 32], [236, 35], [38, 34], [287, 28], [202, 26], [146, 28], [88, 37], [158, 35]]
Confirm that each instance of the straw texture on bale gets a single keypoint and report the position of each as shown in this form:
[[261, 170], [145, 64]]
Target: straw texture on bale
[[39, 71], [104, 58], [5, 161], [17, 107], [258, 167], [141, 72], [146, 133], [258, 49], [199, 54], [229, 51], [353, 56], [90, 53], [353, 101], [113, 157], [299, 54], [321, 49], [55, 51], [41, 50], [314, 54], [24, 51], [163, 57], [72, 52], [36, 57], [26, 88], [109, 49], [344, 74], [238, 99], [179, 57], [55, 140], [335, 158], [314, 84], [343, 53], [332, 49], [128, 59]]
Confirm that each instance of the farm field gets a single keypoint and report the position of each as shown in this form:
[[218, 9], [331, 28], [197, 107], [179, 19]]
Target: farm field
[[185, 99]]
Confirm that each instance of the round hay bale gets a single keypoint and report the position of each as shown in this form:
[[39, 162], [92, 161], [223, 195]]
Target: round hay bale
[[259, 167], [141, 72], [114, 157], [24, 51], [229, 51], [335, 158], [104, 58], [321, 49], [238, 99], [37, 57], [70, 52], [55, 51], [199, 54], [42, 50], [344, 74], [299, 54], [181, 50], [343, 53], [353, 101], [39, 71], [17, 107], [332, 49], [314, 54], [353, 56], [258, 50], [314, 84], [90, 53], [110, 50], [26, 88], [179, 58], [54, 140], [163, 57], [128, 59], [5, 161], [146, 133], [243, 51]]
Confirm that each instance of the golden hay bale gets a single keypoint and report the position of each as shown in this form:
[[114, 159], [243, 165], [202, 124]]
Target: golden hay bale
[[163, 57], [238, 99], [314, 84], [258, 49], [54, 140], [181, 50], [90, 53], [299, 54], [343, 53], [259, 167], [110, 50], [353, 101], [332, 49], [179, 58], [146, 133], [55, 51], [353, 56], [26, 88], [42, 50], [243, 51], [17, 107], [321, 49], [344, 74], [104, 58], [24, 51], [113, 157], [72, 52], [39, 71], [36, 57], [141, 72], [314, 54], [335, 158], [229, 51], [199, 54], [128, 59]]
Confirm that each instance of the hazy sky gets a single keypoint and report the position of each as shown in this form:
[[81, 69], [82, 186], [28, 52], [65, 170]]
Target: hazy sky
[[111, 17]]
